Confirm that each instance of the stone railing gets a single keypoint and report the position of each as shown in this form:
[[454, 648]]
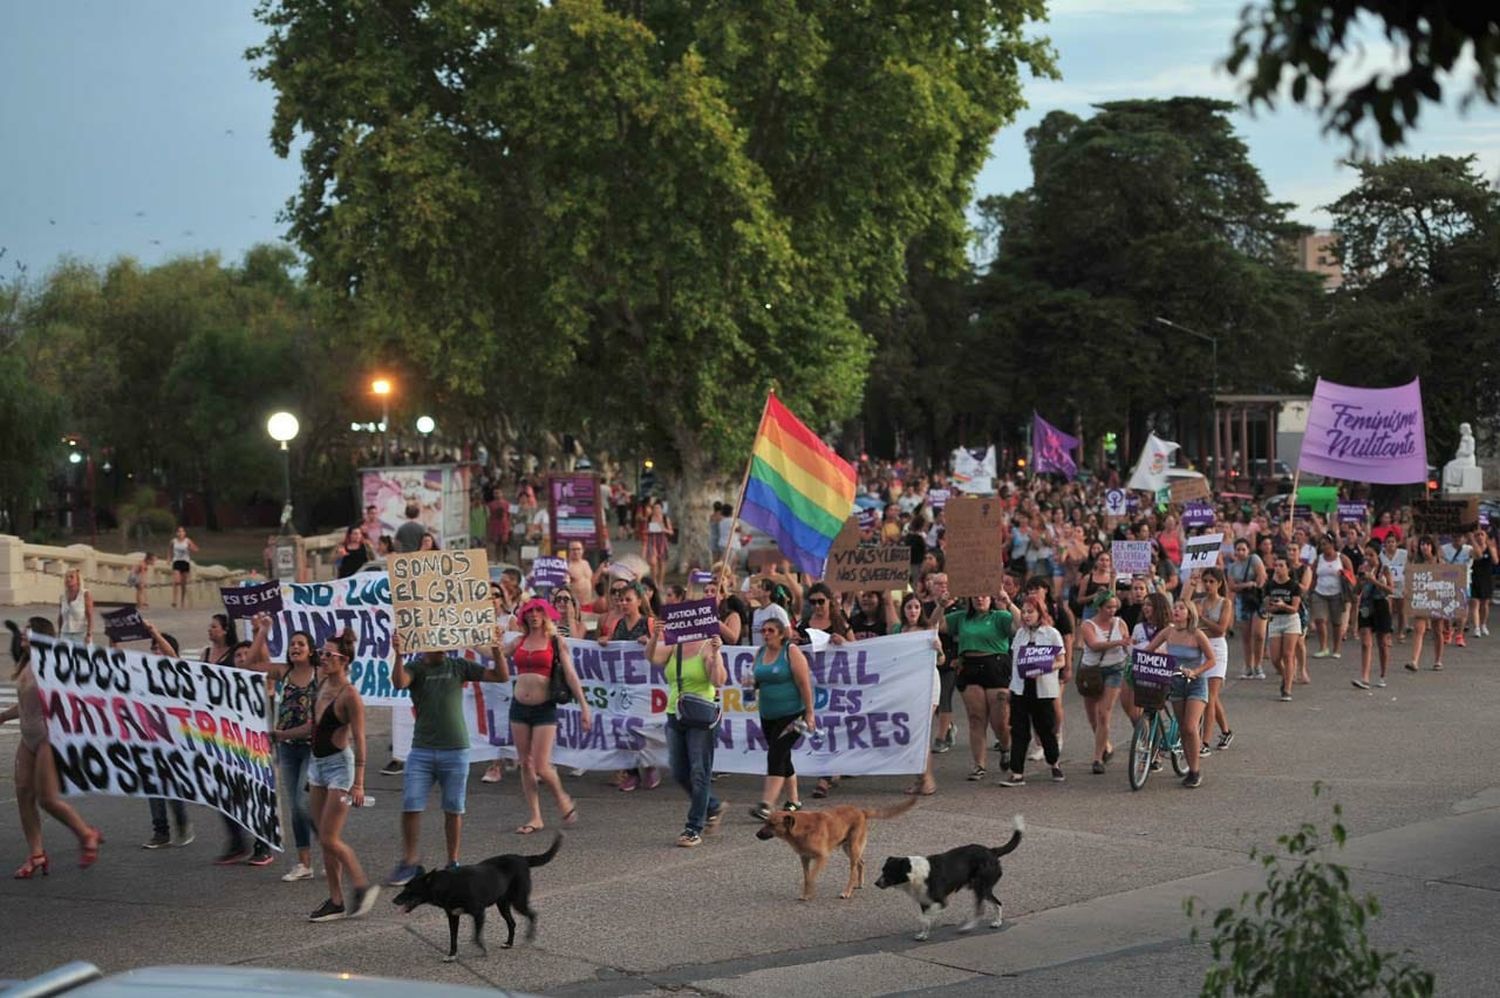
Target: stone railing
[[33, 573]]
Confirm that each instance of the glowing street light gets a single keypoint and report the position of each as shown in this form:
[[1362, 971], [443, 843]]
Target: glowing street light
[[382, 387], [426, 424], [283, 428]]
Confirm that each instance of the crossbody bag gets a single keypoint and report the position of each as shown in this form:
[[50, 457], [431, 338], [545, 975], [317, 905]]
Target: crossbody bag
[[694, 710]]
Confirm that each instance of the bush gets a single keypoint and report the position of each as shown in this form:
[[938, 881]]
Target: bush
[[1305, 933]]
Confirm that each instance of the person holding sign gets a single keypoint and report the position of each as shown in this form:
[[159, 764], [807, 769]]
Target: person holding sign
[[783, 693], [1214, 617], [982, 633], [36, 770], [1038, 652], [292, 731], [540, 660], [439, 744], [1194, 655], [693, 669], [337, 781], [1427, 554], [915, 616]]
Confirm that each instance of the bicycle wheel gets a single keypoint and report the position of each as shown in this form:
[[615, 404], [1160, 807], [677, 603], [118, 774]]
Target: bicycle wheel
[[1179, 757], [1142, 750]]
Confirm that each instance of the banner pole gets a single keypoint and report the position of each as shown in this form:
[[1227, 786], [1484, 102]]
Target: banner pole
[[734, 523]]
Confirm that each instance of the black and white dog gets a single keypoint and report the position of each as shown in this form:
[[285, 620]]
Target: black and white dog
[[931, 879]]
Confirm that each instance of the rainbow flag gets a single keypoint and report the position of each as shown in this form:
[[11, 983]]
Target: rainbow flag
[[798, 490]]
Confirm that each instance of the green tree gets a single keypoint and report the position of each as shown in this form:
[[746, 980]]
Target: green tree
[[1305, 41], [639, 214], [1419, 242], [1148, 208]]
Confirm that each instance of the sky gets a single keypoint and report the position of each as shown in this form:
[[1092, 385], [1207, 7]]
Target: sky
[[133, 127]]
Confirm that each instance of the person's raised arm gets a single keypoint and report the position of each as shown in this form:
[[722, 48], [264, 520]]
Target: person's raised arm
[[657, 650], [400, 679], [499, 668], [713, 662], [259, 657]]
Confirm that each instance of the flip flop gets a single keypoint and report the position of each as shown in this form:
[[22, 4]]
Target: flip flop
[[528, 829], [571, 818], [915, 791]]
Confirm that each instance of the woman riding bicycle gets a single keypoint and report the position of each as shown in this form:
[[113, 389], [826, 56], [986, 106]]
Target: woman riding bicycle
[[1194, 656]]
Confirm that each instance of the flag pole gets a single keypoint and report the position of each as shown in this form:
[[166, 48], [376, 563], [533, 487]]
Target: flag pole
[[734, 523]]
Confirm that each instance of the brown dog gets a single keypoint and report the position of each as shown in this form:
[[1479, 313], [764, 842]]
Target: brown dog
[[813, 835]]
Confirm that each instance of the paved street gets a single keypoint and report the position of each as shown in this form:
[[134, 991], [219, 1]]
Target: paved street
[[1093, 895]]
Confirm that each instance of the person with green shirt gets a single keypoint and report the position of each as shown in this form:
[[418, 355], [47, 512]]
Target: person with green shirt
[[439, 744], [695, 667], [982, 633]]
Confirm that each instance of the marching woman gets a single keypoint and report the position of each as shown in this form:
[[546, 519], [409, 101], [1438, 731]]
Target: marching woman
[[783, 693], [536, 660], [1330, 569], [36, 770], [222, 650], [1374, 614], [183, 549], [1284, 625], [1106, 645], [1482, 583], [633, 623], [913, 619], [982, 633], [1247, 580], [1032, 698], [1427, 554], [292, 732], [337, 776], [1100, 577], [1214, 616], [75, 610], [692, 669], [1189, 693]]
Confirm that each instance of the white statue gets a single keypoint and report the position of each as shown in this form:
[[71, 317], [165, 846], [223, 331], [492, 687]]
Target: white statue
[[1462, 474]]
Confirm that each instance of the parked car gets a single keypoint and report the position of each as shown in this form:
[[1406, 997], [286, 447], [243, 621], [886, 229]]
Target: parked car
[[84, 980]]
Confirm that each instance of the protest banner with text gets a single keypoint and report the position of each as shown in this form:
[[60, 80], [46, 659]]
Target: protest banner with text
[[1201, 551], [134, 724], [244, 602], [1437, 591], [1131, 557], [126, 624], [974, 547], [441, 599], [854, 567], [1185, 490], [690, 620], [1152, 668], [1036, 660], [360, 603]]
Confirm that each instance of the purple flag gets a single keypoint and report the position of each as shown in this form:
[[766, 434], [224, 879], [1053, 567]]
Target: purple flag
[[1050, 449], [1366, 434]]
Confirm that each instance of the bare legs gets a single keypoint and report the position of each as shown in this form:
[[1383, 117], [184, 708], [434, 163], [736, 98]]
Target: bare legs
[[330, 813], [534, 754], [37, 790], [1099, 709]]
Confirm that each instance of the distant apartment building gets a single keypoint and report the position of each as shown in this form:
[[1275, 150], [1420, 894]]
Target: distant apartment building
[[1315, 255]]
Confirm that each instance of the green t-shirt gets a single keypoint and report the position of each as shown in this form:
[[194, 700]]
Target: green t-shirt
[[437, 693], [985, 633], [694, 678]]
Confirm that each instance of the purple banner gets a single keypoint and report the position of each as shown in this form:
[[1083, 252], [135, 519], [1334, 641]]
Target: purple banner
[[698, 577], [1366, 434], [1035, 660], [125, 624], [1050, 449], [938, 498], [1152, 668], [550, 572], [1198, 514], [869, 519], [573, 504], [244, 602], [1353, 512], [690, 620]]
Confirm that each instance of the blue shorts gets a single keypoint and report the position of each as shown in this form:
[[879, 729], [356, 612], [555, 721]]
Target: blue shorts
[[1189, 689], [1114, 675], [335, 772], [449, 768], [533, 714]]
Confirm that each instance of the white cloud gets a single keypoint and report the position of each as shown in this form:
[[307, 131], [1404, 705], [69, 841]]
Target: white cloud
[[1199, 78]]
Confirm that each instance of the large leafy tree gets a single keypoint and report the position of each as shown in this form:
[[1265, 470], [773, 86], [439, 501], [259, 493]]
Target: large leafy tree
[[641, 214], [1148, 208], [1419, 241]]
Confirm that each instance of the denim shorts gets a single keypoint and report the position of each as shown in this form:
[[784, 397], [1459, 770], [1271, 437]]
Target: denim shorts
[[336, 772], [1189, 689], [1114, 675], [449, 768], [533, 714]]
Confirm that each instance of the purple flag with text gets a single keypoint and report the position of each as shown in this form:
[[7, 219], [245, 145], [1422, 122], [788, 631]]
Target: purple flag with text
[[1366, 434], [1051, 449]]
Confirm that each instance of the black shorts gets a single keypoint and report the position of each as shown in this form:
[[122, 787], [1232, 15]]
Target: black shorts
[[182, 566], [990, 672], [779, 749], [1379, 619], [536, 714]]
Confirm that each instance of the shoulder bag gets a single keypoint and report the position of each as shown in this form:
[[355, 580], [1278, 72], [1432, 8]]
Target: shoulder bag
[[557, 682], [693, 710]]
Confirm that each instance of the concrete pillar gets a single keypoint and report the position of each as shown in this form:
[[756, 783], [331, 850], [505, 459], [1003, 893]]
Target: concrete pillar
[[12, 568], [1244, 441]]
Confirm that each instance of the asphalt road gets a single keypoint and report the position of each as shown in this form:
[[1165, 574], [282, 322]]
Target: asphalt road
[[1093, 895]]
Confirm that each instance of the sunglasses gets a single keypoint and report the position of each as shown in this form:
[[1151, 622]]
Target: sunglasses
[[818, 601], [330, 653], [770, 630], [563, 599]]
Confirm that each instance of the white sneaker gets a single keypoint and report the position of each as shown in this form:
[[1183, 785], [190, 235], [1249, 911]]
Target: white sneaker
[[1035, 755], [299, 872], [1380, 683]]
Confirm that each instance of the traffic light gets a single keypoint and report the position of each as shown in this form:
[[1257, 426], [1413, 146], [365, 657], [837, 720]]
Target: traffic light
[[1111, 443]]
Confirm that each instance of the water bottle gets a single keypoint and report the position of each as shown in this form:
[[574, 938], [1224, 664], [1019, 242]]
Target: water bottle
[[801, 727], [369, 801]]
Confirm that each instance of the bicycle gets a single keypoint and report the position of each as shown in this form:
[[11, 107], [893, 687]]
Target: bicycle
[[1155, 731]]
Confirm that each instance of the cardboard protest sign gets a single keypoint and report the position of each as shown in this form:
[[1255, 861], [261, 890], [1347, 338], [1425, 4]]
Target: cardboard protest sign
[[974, 547], [549, 573], [441, 599], [244, 602], [1198, 514], [1185, 490], [690, 620], [1131, 557], [143, 725], [1202, 551], [1035, 660], [125, 624], [1445, 516], [1356, 511], [1152, 668], [1437, 591], [854, 567]]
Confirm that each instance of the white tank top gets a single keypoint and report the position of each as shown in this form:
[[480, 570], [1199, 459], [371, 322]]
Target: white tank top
[[74, 614], [1328, 583], [180, 550]]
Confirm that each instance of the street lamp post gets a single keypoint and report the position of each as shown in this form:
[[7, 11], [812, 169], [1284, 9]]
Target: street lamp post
[[283, 428], [425, 426], [382, 388], [1213, 342], [76, 440]]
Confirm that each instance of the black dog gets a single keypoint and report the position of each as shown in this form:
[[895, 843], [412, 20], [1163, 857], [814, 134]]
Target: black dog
[[503, 881], [930, 879]]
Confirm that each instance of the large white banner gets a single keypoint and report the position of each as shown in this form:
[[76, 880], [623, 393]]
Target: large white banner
[[135, 724], [872, 699], [361, 603]]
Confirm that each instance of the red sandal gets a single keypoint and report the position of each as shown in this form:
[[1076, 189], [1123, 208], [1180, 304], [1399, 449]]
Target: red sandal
[[89, 848], [28, 869]]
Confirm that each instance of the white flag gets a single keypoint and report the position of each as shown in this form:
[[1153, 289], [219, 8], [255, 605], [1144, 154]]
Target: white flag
[[974, 475], [1150, 471]]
